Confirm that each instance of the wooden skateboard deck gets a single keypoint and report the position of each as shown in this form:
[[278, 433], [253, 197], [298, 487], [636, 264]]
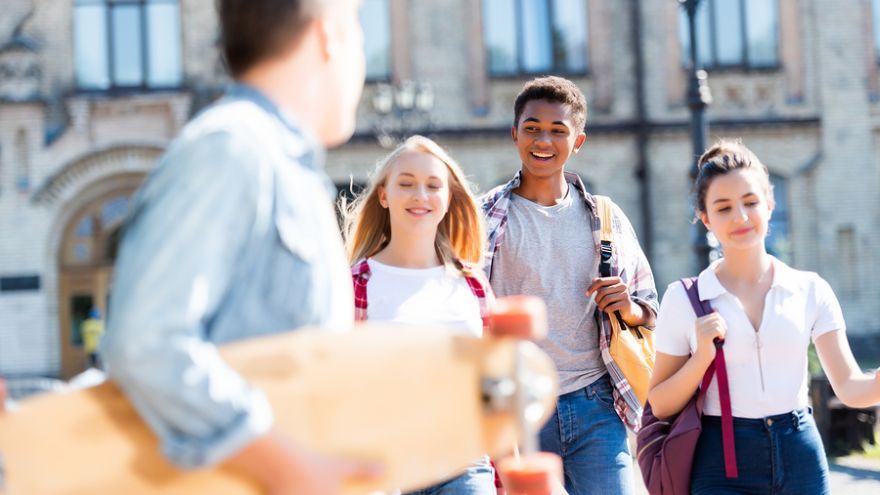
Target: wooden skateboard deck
[[412, 399]]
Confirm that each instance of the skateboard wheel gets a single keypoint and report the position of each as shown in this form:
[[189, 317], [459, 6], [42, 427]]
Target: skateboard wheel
[[523, 317], [535, 474]]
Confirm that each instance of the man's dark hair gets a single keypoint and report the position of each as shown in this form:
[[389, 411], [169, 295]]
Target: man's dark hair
[[254, 30], [555, 89]]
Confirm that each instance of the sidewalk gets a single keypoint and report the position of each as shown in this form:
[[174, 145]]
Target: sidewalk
[[855, 475], [849, 476]]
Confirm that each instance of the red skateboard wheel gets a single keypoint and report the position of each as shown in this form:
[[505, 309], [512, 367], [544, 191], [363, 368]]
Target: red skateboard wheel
[[535, 474], [522, 317]]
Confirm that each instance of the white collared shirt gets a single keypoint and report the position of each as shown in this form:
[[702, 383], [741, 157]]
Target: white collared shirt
[[767, 369]]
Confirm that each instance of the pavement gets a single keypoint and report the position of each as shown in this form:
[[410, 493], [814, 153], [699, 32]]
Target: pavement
[[849, 476], [855, 475], [852, 475]]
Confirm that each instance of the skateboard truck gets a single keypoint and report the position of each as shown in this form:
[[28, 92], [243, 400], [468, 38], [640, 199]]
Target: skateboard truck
[[520, 317], [523, 393]]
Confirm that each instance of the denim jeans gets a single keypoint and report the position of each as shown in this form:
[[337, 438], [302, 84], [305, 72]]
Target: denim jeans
[[478, 479], [776, 455], [591, 439]]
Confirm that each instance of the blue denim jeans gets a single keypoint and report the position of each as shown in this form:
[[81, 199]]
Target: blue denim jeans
[[777, 455], [591, 439], [478, 479]]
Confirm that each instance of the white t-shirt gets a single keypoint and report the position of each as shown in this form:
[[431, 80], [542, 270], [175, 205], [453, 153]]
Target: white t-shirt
[[426, 296], [767, 369]]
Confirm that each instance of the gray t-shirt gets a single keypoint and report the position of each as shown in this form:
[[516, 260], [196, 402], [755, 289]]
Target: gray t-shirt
[[549, 251]]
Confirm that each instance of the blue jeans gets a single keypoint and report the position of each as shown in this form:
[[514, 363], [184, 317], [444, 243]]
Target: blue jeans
[[776, 455], [478, 479], [591, 439]]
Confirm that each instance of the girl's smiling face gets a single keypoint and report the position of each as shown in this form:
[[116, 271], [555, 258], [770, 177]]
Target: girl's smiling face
[[738, 209], [416, 191]]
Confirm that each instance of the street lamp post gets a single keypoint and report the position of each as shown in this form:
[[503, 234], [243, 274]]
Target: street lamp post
[[401, 109], [698, 98]]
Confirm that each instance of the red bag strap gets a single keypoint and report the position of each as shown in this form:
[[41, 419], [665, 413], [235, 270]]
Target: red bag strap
[[718, 368]]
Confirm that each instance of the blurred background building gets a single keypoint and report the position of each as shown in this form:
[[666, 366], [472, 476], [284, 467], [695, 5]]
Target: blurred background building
[[92, 91]]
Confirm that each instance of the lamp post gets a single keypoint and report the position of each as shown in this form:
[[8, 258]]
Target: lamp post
[[401, 109], [698, 98]]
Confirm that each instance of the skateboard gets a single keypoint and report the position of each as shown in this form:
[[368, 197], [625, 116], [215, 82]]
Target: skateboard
[[422, 403]]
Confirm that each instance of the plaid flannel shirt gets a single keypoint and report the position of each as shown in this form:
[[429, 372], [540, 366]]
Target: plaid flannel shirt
[[628, 262]]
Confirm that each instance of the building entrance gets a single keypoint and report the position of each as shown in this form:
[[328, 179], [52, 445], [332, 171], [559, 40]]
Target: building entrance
[[88, 252]]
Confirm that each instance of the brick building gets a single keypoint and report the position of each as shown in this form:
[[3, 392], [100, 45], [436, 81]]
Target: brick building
[[91, 92]]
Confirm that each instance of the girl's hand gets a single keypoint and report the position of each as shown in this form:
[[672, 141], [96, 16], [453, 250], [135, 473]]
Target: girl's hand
[[708, 328]]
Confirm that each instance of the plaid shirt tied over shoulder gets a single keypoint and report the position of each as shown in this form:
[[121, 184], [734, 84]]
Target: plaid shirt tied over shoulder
[[628, 262]]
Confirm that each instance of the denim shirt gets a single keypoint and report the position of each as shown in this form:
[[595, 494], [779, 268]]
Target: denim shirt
[[233, 235]]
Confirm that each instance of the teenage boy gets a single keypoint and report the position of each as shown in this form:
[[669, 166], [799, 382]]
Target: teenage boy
[[234, 235], [544, 240]]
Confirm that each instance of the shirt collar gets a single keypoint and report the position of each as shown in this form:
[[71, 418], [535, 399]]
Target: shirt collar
[[570, 177], [784, 277], [303, 144]]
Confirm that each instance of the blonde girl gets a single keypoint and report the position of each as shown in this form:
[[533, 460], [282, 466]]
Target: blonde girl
[[415, 239], [766, 313]]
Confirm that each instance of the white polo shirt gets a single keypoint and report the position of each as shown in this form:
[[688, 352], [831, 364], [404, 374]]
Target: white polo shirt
[[767, 369]]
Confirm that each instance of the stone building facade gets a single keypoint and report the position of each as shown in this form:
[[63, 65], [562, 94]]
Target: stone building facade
[[86, 107]]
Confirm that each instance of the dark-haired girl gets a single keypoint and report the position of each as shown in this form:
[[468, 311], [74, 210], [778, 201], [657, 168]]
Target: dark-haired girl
[[767, 313]]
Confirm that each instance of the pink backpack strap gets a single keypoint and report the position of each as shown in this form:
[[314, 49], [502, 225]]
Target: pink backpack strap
[[480, 287], [360, 274], [718, 367]]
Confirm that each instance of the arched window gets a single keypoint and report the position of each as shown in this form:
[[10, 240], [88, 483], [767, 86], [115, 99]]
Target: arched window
[[22, 161], [94, 236], [127, 44]]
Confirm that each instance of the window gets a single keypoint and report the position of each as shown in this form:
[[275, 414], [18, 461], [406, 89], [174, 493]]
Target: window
[[127, 44], [535, 36], [22, 161], [376, 20], [779, 235], [733, 33], [93, 240]]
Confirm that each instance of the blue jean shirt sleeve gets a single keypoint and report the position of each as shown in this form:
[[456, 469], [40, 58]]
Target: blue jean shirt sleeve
[[190, 223]]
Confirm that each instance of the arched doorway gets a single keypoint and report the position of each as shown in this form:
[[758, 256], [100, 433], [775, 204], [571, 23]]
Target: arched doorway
[[87, 253]]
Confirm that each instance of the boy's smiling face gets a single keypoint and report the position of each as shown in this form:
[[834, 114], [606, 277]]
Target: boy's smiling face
[[546, 137]]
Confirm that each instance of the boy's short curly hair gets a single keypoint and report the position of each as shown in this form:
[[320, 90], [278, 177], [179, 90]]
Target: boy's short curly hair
[[555, 89]]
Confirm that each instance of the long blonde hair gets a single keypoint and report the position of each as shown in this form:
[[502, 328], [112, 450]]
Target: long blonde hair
[[461, 234]]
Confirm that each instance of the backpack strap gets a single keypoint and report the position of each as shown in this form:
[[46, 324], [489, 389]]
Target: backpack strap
[[360, 274], [606, 235], [718, 367]]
